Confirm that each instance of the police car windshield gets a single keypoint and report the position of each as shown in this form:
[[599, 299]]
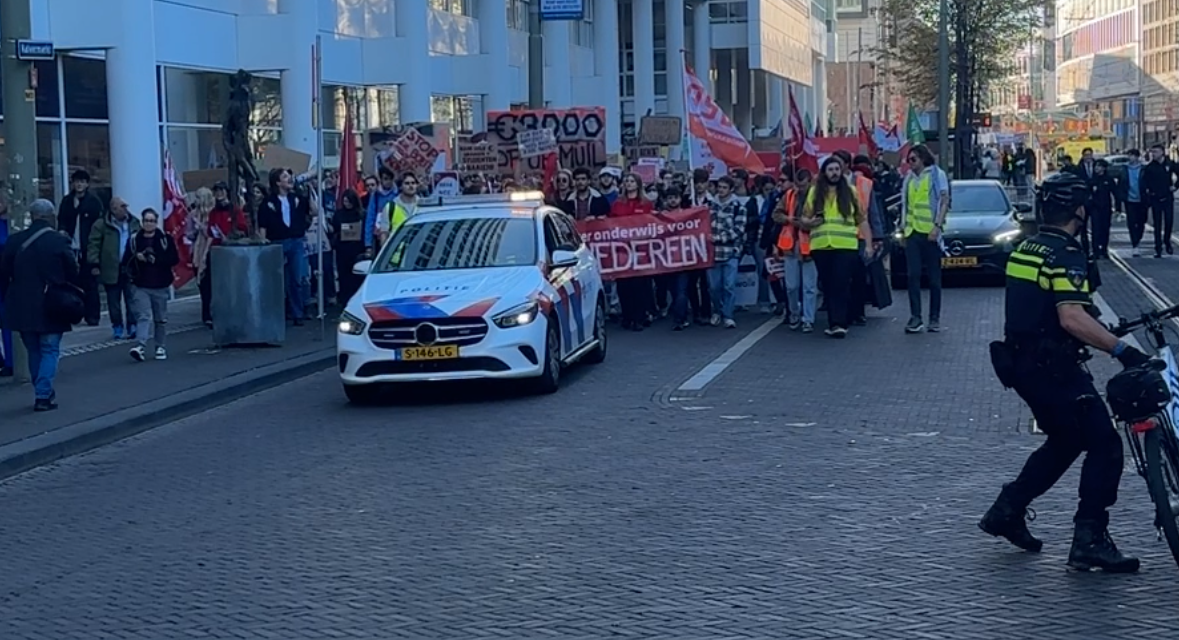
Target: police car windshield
[[471, 243], [978, 199]]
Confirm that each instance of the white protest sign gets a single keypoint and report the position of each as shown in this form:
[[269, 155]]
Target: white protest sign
[[536, 142]]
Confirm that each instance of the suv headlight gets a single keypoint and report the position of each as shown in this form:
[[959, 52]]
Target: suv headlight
[[1004, 237], [517, 316], [350, 325]]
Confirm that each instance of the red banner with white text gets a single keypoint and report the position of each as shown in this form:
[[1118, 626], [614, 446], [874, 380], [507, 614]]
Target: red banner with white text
[[650, 244]]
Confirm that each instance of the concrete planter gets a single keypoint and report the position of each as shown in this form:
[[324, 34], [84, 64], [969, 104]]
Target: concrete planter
[[248, 296]]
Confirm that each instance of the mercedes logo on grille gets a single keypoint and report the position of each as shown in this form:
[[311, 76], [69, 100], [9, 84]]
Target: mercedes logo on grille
[[426, 334], [957, 248]]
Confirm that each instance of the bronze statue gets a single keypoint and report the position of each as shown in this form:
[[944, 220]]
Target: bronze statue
[[235, 136]]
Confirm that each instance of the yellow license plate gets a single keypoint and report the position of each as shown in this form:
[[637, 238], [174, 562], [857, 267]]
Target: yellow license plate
[[448, 352], [960, 261]]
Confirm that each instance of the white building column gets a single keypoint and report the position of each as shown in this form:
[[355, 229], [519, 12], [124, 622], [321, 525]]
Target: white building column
[[558, 81], [643, 34], [819, 99], [606, 52], [723, 92], [413, 26], [776, 105], [493, 39], [132, 94], [298, 130], [743, 101], [673, 17], [702, 45]]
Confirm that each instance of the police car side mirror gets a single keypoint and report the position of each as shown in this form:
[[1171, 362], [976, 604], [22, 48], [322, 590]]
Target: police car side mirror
[[1023, 207], [563, 259], [362, 268]]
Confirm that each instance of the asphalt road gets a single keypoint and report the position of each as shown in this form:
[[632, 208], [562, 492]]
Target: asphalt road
[[815, 489]]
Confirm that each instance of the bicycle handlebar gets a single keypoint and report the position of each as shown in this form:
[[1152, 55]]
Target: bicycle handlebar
[[1125, 327]]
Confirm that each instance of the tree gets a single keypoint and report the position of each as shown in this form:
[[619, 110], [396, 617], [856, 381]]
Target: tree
[[984, 37]]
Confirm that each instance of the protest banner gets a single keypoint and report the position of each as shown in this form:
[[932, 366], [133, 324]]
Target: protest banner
[[661, 131], [580, 134], [650, 244], [477, 157], [385, 147], [446, 184]]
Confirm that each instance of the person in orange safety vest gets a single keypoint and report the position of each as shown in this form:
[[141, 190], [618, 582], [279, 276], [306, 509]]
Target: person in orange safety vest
[[794, 248]]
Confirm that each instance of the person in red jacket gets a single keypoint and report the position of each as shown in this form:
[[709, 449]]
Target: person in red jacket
[[631, 198], [635, 295]]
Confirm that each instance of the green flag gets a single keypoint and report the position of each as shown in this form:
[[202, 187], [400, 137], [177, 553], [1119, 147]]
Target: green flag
[[913, 132]]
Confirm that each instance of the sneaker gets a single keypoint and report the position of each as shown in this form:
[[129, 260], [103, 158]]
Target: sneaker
[[915, 326], [44, 404], [132, 331], [730, 323], [779, 309], [680, 326], [860, 321], [161, 353], [808, 327], [839, 332], [138, 354], [1093, 547], [792, 323], [1170, 249], [829, 332], [934, 326], [716, 320], [1135, 252], [117, 332]]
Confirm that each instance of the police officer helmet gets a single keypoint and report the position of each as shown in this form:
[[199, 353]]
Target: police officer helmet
[[1138, 393], [1060, 195]]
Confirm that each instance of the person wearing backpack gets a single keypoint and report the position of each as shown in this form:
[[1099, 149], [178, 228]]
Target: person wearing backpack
[[36, 270]]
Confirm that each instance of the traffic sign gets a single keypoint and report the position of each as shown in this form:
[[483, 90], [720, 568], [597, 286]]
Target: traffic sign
[[34, 50]]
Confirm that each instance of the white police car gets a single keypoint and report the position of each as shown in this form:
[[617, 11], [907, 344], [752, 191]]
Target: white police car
[[474, 287]]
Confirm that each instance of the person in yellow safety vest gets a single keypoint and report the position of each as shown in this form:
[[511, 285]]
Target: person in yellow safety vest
[[832, 214], [794, 247], [925, 200], [398, 210]]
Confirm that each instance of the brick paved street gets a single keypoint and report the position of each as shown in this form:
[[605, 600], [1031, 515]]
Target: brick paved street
[[762, 507]]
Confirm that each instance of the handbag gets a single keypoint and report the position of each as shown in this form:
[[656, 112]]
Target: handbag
[[63, 302]]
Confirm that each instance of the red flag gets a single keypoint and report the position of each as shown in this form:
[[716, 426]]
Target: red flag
[[175, 223], [550, 166], [867, 139], [707, 122], [348, 172], [802, 151]]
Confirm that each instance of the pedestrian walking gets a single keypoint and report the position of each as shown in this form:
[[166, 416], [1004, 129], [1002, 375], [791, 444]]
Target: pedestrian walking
[[728, 242], [151, 256], [925, 201], [80, 211], [106, 250], [37, 272], [348, 243]]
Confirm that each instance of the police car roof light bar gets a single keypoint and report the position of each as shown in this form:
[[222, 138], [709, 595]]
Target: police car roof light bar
[[519, 197]]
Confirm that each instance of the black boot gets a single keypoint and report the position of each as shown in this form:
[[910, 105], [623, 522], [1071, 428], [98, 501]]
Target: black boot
[[1092, 547], [1005, 519]]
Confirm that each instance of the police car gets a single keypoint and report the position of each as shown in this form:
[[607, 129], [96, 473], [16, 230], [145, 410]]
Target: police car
[[471, 287]]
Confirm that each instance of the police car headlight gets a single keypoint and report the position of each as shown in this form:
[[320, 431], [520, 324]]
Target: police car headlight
[[1006, 236], [517, 316], [350, 325]]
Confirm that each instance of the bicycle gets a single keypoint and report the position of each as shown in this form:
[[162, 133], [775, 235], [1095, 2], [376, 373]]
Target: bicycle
[[1154, 440]]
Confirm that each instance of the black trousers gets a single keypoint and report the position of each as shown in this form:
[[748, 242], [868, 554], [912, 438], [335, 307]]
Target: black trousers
[[1100, 218], [1136, 221], [91, 293], [1069, 410], [1162, 218], [858, 300], [205, 287], [636, 298], [836, 269], [700, 294]]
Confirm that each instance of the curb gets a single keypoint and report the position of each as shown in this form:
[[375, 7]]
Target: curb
[[81, 437]]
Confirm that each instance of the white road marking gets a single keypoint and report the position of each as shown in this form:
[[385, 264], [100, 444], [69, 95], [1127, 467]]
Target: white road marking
[[1107, 314], [713, 369]]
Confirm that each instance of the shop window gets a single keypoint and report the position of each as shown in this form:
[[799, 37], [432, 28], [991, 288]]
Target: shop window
[[85, 88], [47, 99], [192, 148], [89, 148], [201, 97]]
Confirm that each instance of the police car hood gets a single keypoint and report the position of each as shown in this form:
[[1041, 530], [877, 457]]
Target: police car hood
[[447, 292], [979, 223]]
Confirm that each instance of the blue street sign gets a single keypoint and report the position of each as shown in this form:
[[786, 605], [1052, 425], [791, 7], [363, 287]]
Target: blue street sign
[[562, 9], [34, 50]]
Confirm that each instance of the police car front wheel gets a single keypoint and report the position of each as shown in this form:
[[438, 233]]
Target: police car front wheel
[[550, 378]]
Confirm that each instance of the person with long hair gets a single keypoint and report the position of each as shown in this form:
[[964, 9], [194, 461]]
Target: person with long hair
[[925, 201], [832, 214], [634, 294], [348, 242], [283, 218]]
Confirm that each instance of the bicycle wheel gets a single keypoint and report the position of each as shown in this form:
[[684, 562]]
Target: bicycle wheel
[[1162, 479]]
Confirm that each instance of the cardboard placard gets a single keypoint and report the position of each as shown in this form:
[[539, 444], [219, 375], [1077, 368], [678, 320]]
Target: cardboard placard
[[414, 152], [193, 180], [446, 183], [661, 130], [536, 142], [580, 135], [277, 156], [478, 157]]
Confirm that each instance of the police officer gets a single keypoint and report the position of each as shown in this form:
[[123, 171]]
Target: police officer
[[1048, 327]]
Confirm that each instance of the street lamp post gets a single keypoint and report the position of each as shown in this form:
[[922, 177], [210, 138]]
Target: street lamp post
[[943, 84]]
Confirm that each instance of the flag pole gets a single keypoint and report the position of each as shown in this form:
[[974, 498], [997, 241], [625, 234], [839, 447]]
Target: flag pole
[[317, 123]]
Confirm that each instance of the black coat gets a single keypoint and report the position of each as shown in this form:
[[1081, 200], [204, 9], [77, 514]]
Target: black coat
[[1157, 180], [23, 279], [159, 251], [77, 220], [270, 217]]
